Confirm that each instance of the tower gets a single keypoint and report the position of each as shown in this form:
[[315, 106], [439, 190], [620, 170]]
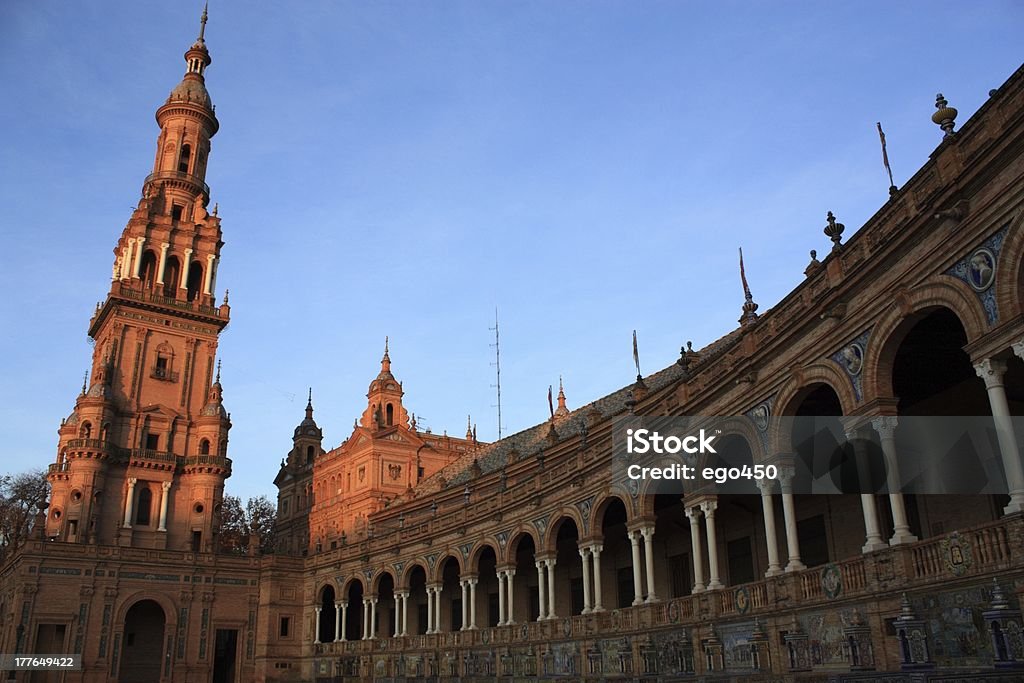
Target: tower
[[294, 482], [142, 459]]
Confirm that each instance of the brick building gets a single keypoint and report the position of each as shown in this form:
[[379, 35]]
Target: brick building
[[410, 556]]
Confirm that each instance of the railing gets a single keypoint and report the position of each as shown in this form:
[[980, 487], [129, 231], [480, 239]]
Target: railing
[[153, 456], [159, 299], [180, 176], [57, 467], [220, 461]]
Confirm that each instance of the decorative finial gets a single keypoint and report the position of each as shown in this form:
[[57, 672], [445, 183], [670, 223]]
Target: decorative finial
[[834, 230], [999, 600], [217, 381], [945, 116], [469, 428], [562, 411], [636, 358], [85, 381], [309, 405], [215, 207], [749, 307], [202, 24], [412, 422], [813, 265], [227, 292]]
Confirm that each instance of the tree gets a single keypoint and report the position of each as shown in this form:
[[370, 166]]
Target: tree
[[239, 527], [20, 498]]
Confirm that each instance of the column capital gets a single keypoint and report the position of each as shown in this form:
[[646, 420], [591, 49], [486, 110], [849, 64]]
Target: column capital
[[473, 581], [549, 562], [885, 425], [318, 609], [634, 536], [402, 594], [132, 481], [596, 548], [647, 531], [166, 485], [991, 370], [766, 486], [340, 603], [709, 507], [373, 600], [584, 551], [1018, 348], [693, 513]]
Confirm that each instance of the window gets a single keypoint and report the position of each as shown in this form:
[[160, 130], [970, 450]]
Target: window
[[186, 154], [195, 280], [310, 451], [197, 541], [176, 211], [285, 627], [142, 504], [152, 442], [204, 447], [160, 372], [390, 415]]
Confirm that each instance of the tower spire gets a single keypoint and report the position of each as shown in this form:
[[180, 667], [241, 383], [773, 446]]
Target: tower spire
[[562, 410], [749, 307], [202, 24], [309, 405], [385, 362]]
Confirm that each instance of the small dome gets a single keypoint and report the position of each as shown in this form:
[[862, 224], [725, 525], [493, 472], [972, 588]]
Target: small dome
[[72, 418], [191, 90]]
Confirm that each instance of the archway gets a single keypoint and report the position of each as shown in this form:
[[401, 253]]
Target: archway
[[195, 281], [487, 601], [354, 611], [526, 594], [673, 564], [932, 376], [566, 592], [450, 602], [616, 558], [172, 276], [327, 614], [417, 614], [387, 614], [142, 643]]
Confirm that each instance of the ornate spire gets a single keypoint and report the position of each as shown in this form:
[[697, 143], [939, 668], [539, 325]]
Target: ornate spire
[[749, 307], [469, 428], [562, 410], [309, 405], [385, 362], [217, 381], [85, 381], [202, 25]]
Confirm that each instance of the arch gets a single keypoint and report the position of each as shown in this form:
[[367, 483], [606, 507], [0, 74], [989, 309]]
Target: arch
[[597, 513], [166, 604], [172, 276], [515, 538], [473, 563], [310, 454], [184, 157], [325, 601], [142, 646], [793, 393], [147, 269], [85, 431], [194, 284], [1009, 284], [888, 333], [389, 414], [408, 570], [551, 535], [204, 447], [375, 582], [439, 567], [351, 582]]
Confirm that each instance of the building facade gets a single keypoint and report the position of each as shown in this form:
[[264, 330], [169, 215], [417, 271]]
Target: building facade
[[404, 555]]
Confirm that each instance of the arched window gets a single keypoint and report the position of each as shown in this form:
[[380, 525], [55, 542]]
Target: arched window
[[390, 415], [148, 269], [142, 505], [172, 276], [183, 159], [105, 432], [86, 431], [204, 447], [195, 280], [310, 452]]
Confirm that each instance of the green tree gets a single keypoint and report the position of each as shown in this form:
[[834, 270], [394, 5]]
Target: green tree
[[239, 527], [20, 498]]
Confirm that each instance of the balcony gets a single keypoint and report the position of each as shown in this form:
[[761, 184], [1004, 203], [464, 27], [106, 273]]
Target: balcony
[[208, 463], [178, 179], [144, 296], [150, 459]]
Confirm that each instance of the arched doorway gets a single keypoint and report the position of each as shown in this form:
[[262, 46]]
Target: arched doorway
[[417, 611], [526, 593], [449, 617], [566, 593], [616, 558], [142, 643], [487, 601], [328, 614]]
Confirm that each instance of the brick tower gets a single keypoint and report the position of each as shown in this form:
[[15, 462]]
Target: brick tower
[[142, 459]]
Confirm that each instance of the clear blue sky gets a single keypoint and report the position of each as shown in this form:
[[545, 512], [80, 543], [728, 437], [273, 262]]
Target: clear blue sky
[[401, 168]]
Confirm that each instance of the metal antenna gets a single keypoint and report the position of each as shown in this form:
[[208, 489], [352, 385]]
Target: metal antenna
[[497, 366]]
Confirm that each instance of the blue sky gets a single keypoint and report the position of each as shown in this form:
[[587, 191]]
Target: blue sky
[[402, 168]]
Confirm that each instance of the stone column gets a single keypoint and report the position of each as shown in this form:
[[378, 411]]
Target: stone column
[[126, 259], [337, 621], [166, 486], [502, 611], [770, 534], [789, 513], [886, 428], [139, 244], [992, 371], [464, 585], [587, 599], [693, 513], [405, 613], [163, 263], [129, 503], [542, 600], [709, 507], [208, 275], [638, 590], [366, 619], [872, 528], [344, 620], [316, 625], [472, 603], [648, 534], [510, 580], [595, 553], [185, 264], [551, 588], [430, 609]]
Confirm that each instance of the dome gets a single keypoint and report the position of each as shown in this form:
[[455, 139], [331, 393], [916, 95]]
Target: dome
[[191, 90]]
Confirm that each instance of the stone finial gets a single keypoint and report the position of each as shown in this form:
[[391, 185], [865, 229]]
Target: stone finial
[[944, 116], [834, 231], [999, 600], [814, 264], [749, 307]]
